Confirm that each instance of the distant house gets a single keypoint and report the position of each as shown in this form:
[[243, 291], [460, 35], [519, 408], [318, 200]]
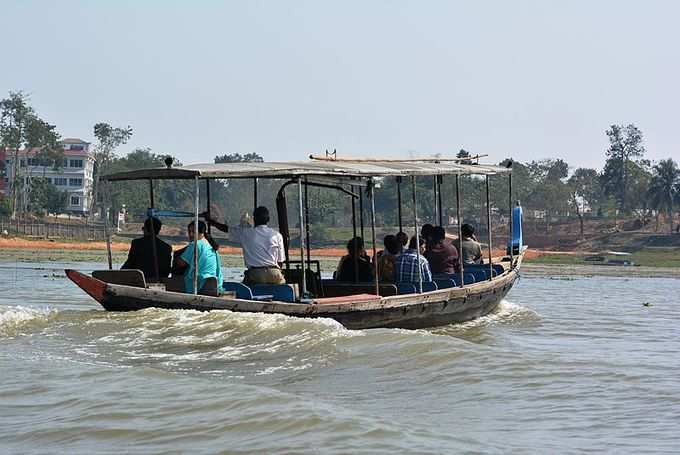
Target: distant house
[[73, 175]]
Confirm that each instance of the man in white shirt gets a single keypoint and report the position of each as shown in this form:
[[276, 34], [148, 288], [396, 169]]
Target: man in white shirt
[[262, 248]]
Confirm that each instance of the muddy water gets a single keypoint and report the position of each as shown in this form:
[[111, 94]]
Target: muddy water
[[566, 365]]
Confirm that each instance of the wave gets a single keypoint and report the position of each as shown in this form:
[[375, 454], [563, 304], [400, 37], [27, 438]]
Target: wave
[[20, 320]]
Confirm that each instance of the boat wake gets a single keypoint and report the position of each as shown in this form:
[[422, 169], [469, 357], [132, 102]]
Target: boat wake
[[20, 320]]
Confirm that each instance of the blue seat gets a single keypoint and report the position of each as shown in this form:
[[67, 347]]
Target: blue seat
[[242, 291], [428, 286], [445, 283], [406, 288], [499, 269], [280, 292]]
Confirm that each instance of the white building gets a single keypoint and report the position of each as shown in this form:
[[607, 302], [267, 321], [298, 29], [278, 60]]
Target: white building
[[74, 175]]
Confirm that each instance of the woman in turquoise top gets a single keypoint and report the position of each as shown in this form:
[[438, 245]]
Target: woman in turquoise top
[[209, 264]]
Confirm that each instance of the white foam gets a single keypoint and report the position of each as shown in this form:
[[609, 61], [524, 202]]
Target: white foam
[[17, 320]]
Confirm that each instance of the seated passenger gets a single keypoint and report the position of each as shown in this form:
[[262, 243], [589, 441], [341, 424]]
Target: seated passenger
[[407, 264], [426, 234], [471, 250], [442, 255], [387, 259], [356, 254], [403, 240], [262, 246], [209, 264], [141, 252]]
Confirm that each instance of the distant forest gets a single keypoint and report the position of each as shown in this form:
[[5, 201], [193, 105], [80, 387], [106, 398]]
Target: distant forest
[[629, 185]]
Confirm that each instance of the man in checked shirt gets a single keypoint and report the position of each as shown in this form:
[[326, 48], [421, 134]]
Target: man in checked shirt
[[406, 266]]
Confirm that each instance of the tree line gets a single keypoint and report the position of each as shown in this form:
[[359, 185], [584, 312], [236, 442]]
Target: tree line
[[628, 186]]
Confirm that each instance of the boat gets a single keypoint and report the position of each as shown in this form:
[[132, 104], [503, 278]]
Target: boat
[[474, 292]]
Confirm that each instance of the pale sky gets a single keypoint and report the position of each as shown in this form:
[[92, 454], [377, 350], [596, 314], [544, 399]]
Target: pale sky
[[527, 79]]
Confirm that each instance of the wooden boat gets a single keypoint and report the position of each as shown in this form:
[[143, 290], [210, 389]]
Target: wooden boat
[[355, 305]]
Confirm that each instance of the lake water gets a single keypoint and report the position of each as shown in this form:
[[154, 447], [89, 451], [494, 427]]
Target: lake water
[[564, 366]]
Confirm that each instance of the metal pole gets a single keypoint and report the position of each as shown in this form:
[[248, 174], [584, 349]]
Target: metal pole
[[440, 179], [108, 236], [207, 202], [154, 248], [434, 190], [401, 229], [303, 292], [307, 234], [415, 225], [254, 193], [375, 258], [488, 223], [460, 232], [361, 211], [196, 200], [354, 235], [512, 241]]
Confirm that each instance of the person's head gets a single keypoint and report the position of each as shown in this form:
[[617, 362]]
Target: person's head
[[438, 234], [467, 230], [260, 216], [202, 229], [414, 241], [402, 237], [355, 244], [392, 245], [152, 223], [426, 231]]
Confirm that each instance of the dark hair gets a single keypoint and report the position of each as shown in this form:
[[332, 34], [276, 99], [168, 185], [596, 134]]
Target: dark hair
[[203, 229], [402, 237], [412, 243], [156, 225], [356, 243], [392, 244], [260, 215], [426, 231], [438, 234], [467, 230]]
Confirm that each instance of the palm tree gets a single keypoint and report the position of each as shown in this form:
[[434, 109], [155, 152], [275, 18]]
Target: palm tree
[[664, 188]]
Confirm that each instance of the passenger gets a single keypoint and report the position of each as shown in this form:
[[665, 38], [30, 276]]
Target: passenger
[[403, 240], [471, 250], [387, 260], [389, 238], [141, 257], [356, 253], [442, 255], [209, 264], [407, 265], [426, 234], [263, 250]]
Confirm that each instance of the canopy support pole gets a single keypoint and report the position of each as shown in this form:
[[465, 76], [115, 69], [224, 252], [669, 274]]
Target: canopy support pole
[[107, 232], [512, 240], [196, 201], [154, 249], [401, 228], [460, 232], [303, 291], [375, 258], [361, 212], [440, 179], [488, 224], [254, 193], [415, 226], [354, 235], [207, 202], [436, 206], [307, 233]]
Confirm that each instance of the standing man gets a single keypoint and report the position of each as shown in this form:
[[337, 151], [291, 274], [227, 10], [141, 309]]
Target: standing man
[[262, 248]]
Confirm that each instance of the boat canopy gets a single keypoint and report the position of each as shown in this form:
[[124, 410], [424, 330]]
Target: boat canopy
[[335, 169]]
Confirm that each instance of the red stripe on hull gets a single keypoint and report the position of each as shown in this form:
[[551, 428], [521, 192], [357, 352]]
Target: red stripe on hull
[[94, 287]]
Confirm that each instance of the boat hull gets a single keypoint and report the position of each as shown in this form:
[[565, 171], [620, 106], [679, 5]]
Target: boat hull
[[411, 311]]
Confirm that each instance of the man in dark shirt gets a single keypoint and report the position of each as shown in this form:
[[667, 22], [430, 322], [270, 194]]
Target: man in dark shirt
[[442, 255], [141, 252]]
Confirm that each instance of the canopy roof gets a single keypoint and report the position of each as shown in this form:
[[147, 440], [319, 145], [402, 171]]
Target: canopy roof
[[341, 169]]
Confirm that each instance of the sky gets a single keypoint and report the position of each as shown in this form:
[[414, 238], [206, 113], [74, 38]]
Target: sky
[[285, 79]]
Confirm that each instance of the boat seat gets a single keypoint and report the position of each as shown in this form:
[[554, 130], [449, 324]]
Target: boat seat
[[445, 283], [280, 292], [128, 277], [242, 291], [406, 288], [469, 278], [209, 287], [334, 288]]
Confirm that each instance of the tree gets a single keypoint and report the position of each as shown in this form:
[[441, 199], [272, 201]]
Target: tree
[[45, 197], [43, 141], [584, 186], [108, 139], [625, 145], [664, 188]]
